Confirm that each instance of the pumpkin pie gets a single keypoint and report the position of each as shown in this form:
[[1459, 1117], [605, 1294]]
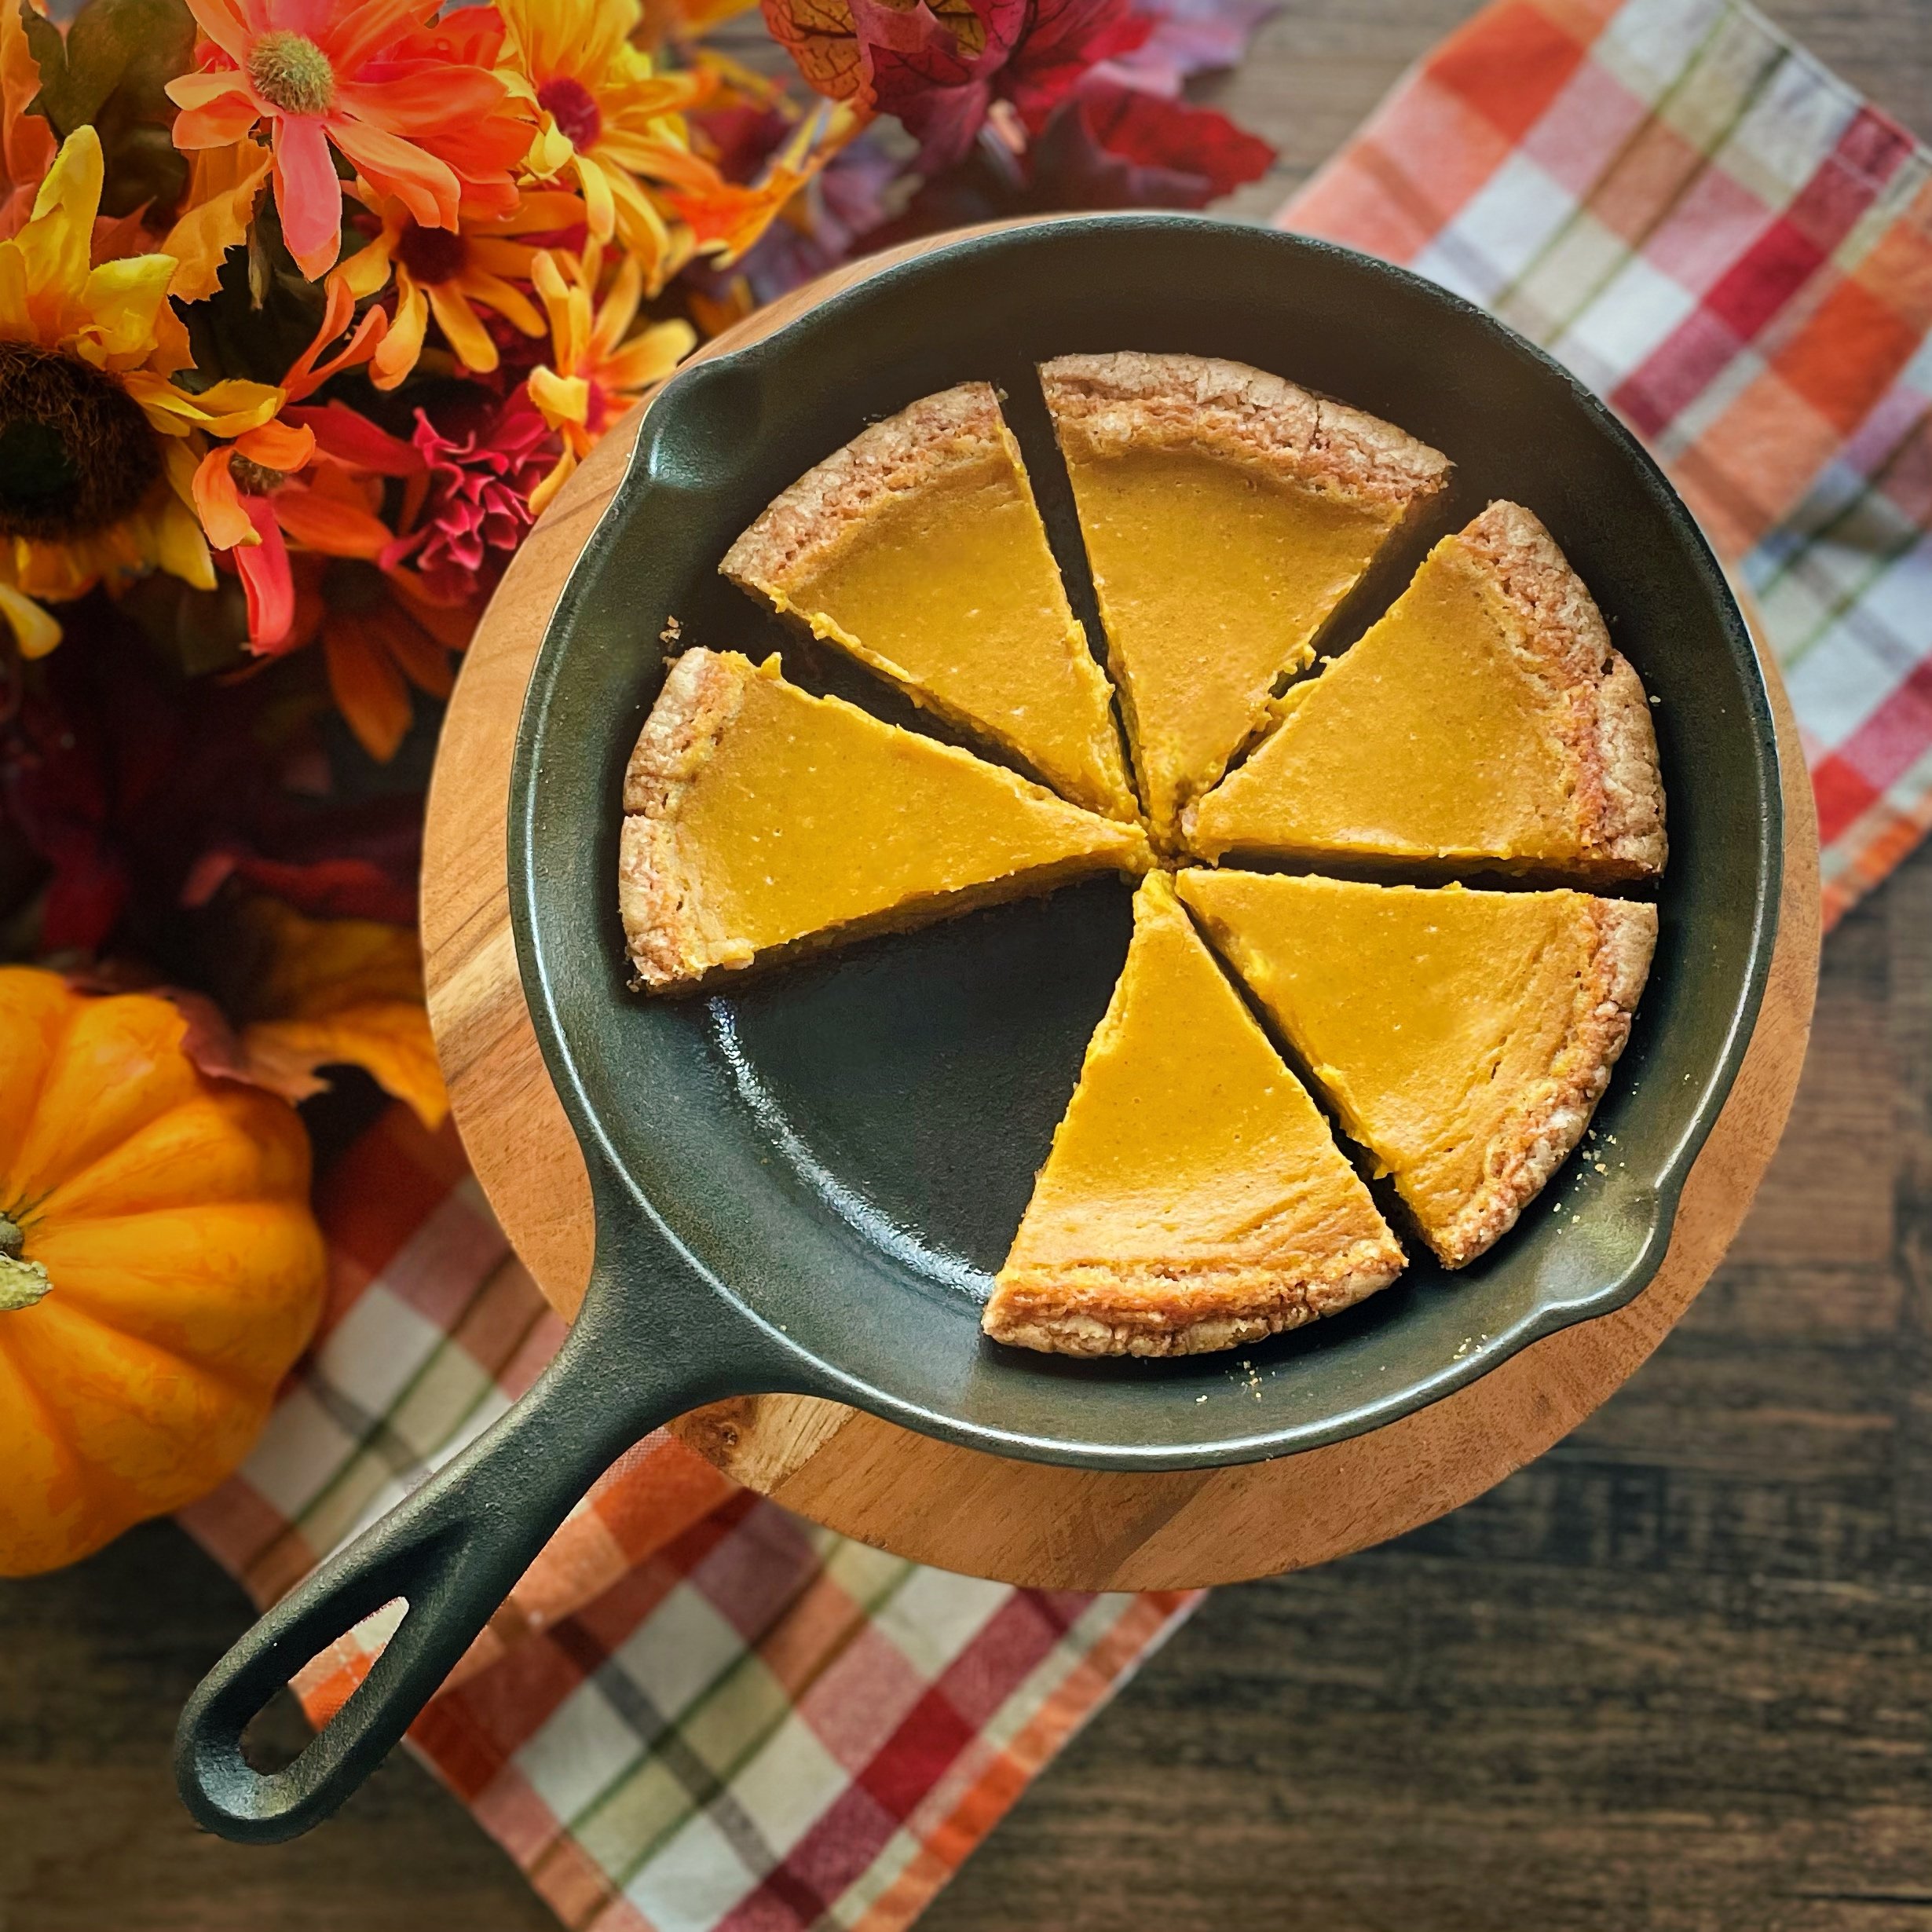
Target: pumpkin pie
[[1463, 1037], [760, 820], [1227, 513], [1194, 1198], [1485, 718], [918, 549]]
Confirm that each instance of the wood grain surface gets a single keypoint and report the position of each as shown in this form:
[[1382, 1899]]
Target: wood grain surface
[[1671, 1677], [961, 1508]]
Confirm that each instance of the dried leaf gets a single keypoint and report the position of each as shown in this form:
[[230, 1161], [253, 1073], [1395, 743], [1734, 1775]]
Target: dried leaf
[[118, 56], [823, 43], [1171, 139], [339, 992], [1063, 39], [27, 143], [223, 185]]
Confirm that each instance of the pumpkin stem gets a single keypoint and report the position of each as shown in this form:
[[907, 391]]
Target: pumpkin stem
[[22, 1282]]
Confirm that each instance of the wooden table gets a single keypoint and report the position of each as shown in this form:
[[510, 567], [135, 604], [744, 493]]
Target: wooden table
[[1675, 1675]]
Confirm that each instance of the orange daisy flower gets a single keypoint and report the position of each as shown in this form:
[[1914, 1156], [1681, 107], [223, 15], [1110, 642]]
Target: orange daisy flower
[[376, 82], [380, 634], [302, 476]]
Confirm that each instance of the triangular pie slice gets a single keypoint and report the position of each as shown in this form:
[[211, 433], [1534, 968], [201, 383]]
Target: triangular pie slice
[[917, 548], [1485, 717], [1194, 1198], [760, 820], [1464, 1039], [1226, 514]]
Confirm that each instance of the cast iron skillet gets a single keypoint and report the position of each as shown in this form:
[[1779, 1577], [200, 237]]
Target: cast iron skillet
[[805, 1183]]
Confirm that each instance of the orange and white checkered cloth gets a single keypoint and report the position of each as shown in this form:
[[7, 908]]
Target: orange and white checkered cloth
[[697, 1713], [1735, 249]]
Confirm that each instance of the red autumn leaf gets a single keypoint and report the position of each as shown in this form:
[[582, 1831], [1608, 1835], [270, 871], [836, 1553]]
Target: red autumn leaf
[[823, 43], [1063, 39], [1070, 168], [934, 71], [1172, 139], [334, 888], [143, 793], [939, 68]]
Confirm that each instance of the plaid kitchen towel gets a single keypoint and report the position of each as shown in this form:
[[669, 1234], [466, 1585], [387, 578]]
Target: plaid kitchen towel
[[695, 1711], [1731, 246]]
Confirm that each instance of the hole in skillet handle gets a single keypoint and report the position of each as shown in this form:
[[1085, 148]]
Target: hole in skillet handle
[[650, 1342]]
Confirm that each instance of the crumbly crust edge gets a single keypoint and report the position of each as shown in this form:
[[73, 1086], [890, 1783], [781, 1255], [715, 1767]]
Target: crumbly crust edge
[[702, 694], [809, 520], [1100, 1309], [1102, 405], [1598, 697], [1535, 1139]]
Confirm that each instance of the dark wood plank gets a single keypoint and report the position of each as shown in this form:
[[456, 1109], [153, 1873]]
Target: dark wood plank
[[95, 1664], [1673, 1677], [1320, 65]]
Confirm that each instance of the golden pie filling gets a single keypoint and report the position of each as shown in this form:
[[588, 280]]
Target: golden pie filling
[[1462, 1038], [1226, 514], [925, 556], [1212, 584], [1195, 1195], [1485, 717], [759, 817]]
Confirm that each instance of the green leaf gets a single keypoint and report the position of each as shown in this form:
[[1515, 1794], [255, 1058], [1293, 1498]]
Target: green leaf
[[113, 73]]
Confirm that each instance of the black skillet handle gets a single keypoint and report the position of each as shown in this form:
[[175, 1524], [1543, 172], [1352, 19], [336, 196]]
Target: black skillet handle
[[454, 1549]]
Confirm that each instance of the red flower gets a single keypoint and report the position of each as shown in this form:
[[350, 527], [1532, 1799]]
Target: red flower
[[478, 505]]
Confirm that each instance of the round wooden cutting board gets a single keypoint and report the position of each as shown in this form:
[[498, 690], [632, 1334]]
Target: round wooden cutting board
[[960, 1509]]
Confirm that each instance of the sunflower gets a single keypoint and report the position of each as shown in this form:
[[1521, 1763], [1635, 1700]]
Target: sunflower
[[98, 443], [607, 116], [597, 368]]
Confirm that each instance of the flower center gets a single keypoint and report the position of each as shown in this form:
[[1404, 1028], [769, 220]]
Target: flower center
[[291, 72], [253, 478], [76, 453], [570, 105], [352, 587], [433, 254]]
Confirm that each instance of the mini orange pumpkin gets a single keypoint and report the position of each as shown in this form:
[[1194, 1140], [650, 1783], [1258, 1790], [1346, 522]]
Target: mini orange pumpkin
[[159, 1268]]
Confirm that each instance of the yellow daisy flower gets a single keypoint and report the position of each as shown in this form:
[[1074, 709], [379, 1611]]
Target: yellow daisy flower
[[607, 116], [597, 368], [450, 273], [98, 443]]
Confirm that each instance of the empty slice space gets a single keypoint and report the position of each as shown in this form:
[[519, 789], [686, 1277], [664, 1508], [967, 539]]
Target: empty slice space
[[1194, 1198], [761, 819], [1463, 1037], [1484, 718], [918, 549], [1226, 514]]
